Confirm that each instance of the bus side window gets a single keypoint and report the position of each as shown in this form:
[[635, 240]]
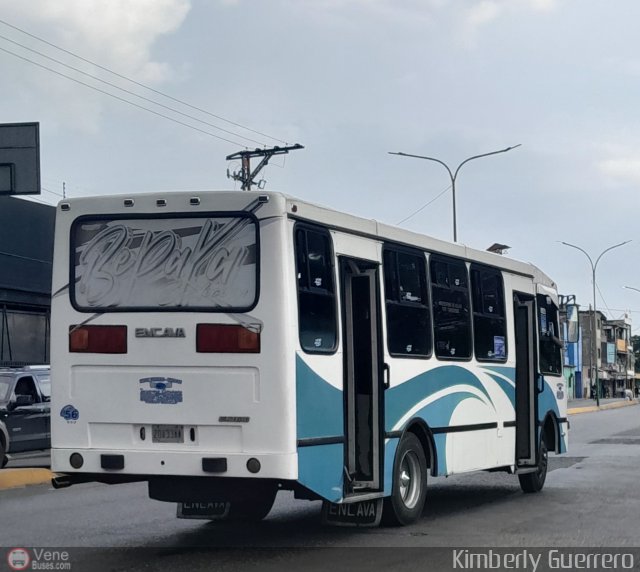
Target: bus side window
[[406, 302], [450, 300], [316, 293], [550, 344], [489, 323]]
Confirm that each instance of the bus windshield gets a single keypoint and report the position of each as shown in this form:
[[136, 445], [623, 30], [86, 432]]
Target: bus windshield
[[176, 262]]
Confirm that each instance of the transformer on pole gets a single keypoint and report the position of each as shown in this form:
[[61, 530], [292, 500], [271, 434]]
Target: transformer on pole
[[246, 176]]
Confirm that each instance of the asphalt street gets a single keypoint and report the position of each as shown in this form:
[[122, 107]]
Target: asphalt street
[[591, 499]]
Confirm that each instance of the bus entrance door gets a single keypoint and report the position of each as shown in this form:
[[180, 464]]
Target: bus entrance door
[[362, 374], [526, 394]]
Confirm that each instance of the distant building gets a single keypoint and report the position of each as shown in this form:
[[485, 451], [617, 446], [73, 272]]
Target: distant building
[[26, 252], [614, 354], [618, 365], [572, 368], [586, 320]]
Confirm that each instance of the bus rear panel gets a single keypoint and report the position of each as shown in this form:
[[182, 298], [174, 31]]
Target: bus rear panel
[[169, 335]]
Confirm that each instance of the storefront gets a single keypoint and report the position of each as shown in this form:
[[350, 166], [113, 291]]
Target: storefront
[[26, 250]]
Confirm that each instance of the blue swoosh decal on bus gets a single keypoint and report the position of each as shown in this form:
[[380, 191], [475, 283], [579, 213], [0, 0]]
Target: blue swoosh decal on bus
[[319, 405], [401, 398]]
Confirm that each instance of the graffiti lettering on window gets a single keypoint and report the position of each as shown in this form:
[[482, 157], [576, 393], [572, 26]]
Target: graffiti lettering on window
[[165, 263]]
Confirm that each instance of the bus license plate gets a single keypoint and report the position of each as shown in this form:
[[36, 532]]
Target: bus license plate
[[167, 433], [212, 510], [363, 513]]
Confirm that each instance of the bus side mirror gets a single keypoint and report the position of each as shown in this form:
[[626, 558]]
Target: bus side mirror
[[573, 324]]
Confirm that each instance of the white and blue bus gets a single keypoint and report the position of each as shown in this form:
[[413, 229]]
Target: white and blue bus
[[226, 345]]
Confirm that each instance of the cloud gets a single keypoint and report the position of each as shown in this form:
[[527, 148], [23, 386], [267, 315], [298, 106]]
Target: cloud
[[543, 5], [625, 169], [356, 13], [483, 13], [118, 34]]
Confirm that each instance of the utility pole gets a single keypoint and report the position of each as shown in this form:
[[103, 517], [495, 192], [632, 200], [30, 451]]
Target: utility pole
[[245, 175]]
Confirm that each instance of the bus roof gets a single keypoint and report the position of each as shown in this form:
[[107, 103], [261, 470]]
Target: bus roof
[[373, 228], [303, 210]]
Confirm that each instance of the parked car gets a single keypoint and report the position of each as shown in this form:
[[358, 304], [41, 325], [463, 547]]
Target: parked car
[[25, 422]]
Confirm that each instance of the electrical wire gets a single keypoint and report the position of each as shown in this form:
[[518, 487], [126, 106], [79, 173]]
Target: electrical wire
[[60, 183], [147, 99], [123, 99], [602, 298], [158, 92], [424, 206], [19, 256], [34, 199], [50, 191]]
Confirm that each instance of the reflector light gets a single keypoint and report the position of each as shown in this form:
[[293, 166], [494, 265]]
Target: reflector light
[[226, 338], [98, 339]]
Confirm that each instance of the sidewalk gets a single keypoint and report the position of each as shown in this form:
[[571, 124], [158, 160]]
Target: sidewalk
[[14, 478], [576, 406]]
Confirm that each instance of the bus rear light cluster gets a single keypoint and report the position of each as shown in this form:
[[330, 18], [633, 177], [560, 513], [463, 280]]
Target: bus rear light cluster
[[226, 338], [98, 339]]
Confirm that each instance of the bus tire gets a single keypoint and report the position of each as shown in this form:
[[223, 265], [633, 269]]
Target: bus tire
[[409, 493], [252, 510], [533, 482]]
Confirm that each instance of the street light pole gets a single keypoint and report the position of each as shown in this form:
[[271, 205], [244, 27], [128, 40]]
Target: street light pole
[[634, 365], [453, 175], [594, 266]]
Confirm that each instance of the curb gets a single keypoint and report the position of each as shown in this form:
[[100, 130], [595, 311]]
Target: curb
[[14, 478], [591, 408]]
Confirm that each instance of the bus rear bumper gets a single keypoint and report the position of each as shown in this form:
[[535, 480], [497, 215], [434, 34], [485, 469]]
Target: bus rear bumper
[[140, 465]]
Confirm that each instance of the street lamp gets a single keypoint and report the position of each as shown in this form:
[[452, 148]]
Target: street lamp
[[453, 175], [594, 364]]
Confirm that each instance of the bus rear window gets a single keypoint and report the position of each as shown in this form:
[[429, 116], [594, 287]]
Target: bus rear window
[[173, 263]]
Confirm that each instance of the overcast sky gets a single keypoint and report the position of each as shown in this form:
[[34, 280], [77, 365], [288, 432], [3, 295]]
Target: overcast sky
[[351, 80]]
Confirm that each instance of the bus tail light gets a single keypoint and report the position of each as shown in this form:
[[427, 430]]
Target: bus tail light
[[226, 338], [98, 339]]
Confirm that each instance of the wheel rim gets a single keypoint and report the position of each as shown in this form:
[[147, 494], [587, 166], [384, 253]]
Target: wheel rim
[[410, 479]]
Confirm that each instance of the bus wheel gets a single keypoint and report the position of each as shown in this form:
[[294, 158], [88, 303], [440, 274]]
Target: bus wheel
[[407, 499], [252, 510], [533, 482]]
